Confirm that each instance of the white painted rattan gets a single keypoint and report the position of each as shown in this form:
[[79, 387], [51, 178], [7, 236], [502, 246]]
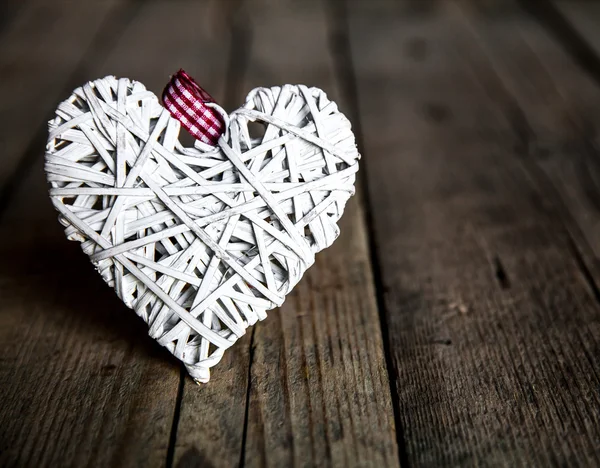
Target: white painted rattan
[[201, 241]]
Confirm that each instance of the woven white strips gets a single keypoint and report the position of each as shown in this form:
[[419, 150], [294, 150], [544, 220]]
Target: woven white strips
[[201, 241]]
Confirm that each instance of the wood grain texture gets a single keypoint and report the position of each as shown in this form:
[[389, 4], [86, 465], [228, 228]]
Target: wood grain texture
[[493, 326], [480, 132], [82, 383]]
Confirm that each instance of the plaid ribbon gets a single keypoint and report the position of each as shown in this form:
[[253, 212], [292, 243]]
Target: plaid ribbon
[[186, 101]]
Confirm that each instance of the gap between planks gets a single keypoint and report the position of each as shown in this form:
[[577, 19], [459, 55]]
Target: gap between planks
[[346, 76]]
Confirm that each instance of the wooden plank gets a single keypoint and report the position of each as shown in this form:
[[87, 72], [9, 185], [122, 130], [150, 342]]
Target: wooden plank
[[319, 391], [37, 57], [492, 325], [81, 382]]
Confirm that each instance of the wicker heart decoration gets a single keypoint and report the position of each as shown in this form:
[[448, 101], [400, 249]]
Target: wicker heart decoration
[[200, 241]]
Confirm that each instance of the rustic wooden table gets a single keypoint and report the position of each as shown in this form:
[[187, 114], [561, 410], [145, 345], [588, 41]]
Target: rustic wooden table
[[456, 321]]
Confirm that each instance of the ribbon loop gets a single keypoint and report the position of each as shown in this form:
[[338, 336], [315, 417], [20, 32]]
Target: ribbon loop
[[186, 101]]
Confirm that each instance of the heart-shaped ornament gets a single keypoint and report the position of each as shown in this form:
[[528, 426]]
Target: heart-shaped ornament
[[200, 241]]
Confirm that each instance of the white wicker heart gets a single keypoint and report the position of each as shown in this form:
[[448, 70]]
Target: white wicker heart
[[200, 241]]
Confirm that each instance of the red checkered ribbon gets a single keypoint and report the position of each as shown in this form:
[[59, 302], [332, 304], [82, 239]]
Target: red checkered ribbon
[[186, 101]]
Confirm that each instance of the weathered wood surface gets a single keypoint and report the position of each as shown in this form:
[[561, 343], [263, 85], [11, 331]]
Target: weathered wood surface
[[492, 319], [467, 270]]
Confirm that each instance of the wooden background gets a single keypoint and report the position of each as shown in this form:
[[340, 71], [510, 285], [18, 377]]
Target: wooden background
[[455, 322]]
